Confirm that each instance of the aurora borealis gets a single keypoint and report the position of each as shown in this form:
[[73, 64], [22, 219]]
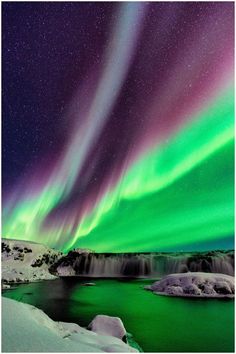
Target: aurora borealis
[[118, 125]]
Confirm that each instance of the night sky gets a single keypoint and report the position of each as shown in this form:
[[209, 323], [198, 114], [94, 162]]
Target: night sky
[[118, 124]]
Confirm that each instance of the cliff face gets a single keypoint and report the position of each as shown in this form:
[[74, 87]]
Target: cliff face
[[24, 261], [142, 264]]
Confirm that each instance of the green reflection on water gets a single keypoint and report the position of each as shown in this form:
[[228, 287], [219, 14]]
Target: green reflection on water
[[158, 323]]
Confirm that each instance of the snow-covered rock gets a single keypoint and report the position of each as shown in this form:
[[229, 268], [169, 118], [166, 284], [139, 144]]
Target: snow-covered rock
[[5, 286], [112, 326], [82, 250], [28, 329], [67, 270], [195, 284], [24, 261]]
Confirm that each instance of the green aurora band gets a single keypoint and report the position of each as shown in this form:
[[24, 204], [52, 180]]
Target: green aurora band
[[177, 194]]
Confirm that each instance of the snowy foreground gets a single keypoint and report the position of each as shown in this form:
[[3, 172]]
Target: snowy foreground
[[24, 261], [28, 329], [195, 284]]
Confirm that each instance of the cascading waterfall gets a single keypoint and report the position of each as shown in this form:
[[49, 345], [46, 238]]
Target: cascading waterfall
[[143, 264]]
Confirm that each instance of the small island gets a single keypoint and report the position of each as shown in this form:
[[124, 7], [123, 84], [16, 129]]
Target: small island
[[195, 284]]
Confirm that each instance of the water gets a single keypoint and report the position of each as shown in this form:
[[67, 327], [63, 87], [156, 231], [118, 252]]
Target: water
[[158, 323], [143, 264]]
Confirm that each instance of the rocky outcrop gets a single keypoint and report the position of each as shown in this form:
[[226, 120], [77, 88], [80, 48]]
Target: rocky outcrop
[[142, 264], [111, 326], [24, 261], [195, 284]]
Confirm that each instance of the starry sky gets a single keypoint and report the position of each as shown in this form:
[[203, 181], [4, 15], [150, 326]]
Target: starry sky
[[118, 130]]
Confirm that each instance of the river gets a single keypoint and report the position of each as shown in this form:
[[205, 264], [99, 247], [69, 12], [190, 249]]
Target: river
[[158, 323]]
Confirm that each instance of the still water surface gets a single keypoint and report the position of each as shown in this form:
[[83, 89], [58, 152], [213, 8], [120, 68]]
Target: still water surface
[[158, 323]]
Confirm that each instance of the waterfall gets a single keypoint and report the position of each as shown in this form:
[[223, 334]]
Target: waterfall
[[143, 264]]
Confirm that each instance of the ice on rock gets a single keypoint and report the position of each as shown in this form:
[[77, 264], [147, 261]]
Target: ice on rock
[[195, 284], [66, 271], [192, 289], [5, 286], [174, 290], [222, 287], [112, 326]]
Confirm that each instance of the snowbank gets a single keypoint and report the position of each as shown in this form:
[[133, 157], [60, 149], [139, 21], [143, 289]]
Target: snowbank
[[195, 284], [24, 261], [28, 329]]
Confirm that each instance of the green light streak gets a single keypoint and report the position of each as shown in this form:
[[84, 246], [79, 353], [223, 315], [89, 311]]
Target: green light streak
[[197, 207], [180, 192], [194, 146]]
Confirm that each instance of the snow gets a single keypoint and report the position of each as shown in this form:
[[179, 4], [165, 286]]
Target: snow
[[24, 261], [83, 250], [111, 326], [195, 284], [66, 271], [28, 329], [6, 286]]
